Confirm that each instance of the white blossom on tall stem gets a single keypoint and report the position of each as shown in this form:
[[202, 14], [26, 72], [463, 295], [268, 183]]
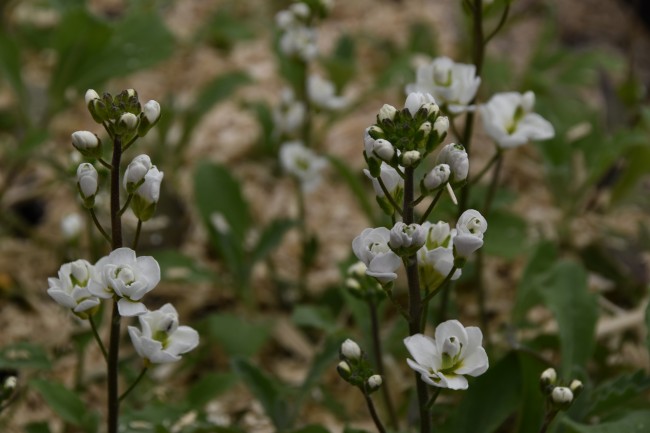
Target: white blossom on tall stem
[[509, 119], [453, 85], [406, 238], [371, 247], [149, 191], [470, 228], [444, 361], [303, 164], [127, 277], [70, 289], [161, 339]]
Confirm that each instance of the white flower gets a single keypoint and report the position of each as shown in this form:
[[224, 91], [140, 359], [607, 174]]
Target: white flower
[[10, 382], [71, 225], [136, 171], [383, 149], [434, 265], [70, 289], [87, 179], [149, 191], [322, 94], [562, 395], [84, 140], [371, 247], [407, 236], [469, 237], [438, 235], [300, 10], [151, 111], [300, 41], [417, 100], [387, 112], [509, 120], [290, 115], [456, 351], [126, 276], [437, 177], [284, 19], [91, 95], [410, 158], [393, 182], [350, 350], [453, 84], [455, 156], [160, 339], [357, 269], [302, 163]]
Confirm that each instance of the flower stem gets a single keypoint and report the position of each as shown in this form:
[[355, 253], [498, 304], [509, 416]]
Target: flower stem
[[304, 236], [136, 239], [548, 419], [434, 397], [126, 204], [104, 163], [426, 213], [379, 362], [390, 198], [134, 384], [502, 21], [99, 225], [485, 169], [98, 338], [415, 302], [373, 413]]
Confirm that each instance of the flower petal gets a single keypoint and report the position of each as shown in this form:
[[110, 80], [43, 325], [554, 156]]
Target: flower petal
[[62, 298], [150, 269], [452, 381], [183, 340], [475, 364], [423, 349], [450, 328], [129, 308], [535, 127], [122, 256], [136, 337]]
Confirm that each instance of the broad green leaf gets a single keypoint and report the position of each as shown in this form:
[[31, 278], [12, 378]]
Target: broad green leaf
[[210, 386], [575, 309], [530, 284], [270, 238], [24, 355], [632, 422], [63, 402], [237, 336], [637, 165], [175, 265], [506, 235], [501, 387], [225, 29], [319, 317], [266, 144], [617, 393], [265, 390]]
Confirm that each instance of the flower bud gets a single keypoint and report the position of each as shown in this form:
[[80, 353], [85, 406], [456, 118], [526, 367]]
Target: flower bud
[[90, 96], [146, 196], [437, 177], [358, 269], [135, 173], [383, 149], [344, 370], [71, 226], [10, 383], [352, 284], [562, 397], [87, 182], [387, 112], [87, 143], [426, 128], [576, 387], [441, 126], [374, 382], [128, 122], [455, 156], [548, 376], [350, 350], [375, 132], [405, 239], [418, 100], [410, 158], [149, 117]]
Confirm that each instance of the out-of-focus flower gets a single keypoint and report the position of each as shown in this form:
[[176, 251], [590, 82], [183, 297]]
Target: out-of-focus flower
[[290, 115], [322, 94], [509, 120], [456, 351], [371, 247], [453, 85], [71, 226], [126, 276], [70, 289], [299, 41], [303, 164], [160, 339]]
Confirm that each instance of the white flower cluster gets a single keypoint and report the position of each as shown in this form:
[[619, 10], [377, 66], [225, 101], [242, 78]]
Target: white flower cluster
[[298, 38], [302, 163], [127, 278]]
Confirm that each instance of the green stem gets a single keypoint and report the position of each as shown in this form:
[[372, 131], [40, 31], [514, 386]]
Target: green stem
[[548, 419], [415, 303], [104, 163], [400, 308], [136, 239], [126, 205], [494, 182], [390, 198], [379, 362], [134, 384], [430, 295], [485, 169], [373, 413], [426, 213], [502, 21], [434, 396], [99, 225], [98, 339]]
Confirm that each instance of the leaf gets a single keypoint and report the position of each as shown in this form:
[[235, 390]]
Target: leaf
[[24, 355], [637, 165], [37, 427], [246, 341], [632, 422], [341, 65], [506, 236], [576, 311], [318, 317], [63, 402], [320, 364], [489, 408], [176, 266], [210, 386], [265, 390], [531, 411], [530, 284], [10, 64], [270, 239], [617, 393]]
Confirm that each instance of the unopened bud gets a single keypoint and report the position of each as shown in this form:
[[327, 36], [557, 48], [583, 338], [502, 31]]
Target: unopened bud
[[576, 387], [87, 182], [90, 96], [10, 383], [387, 112], [562, 397], [87, 143], [410, 158], [374, 382], [441, 125], [548, 376], [344, 370], [437, 177], [358, 269], [352, 284], [128, 122], [350, 350], [384, 149]]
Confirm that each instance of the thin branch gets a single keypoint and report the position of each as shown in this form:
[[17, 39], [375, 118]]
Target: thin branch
[[98, 338], [502, 21], [134, 384], [373, 413], [103, 162], [137, 234], [99, 225], [485, 169], [389, 196], [126, 204], [426, 213]]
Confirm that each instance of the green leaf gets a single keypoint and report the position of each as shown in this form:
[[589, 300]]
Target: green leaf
[[63, 402], [318, 317], [10, 65], [637, 165], [531, 282], [531, 411], [270, 239], [632, 422], [341, 65], [24, 355], [37, 427], [576, 311], [210, 386], [312, 428], [265, 390], [617, 393], [176, 266], [506, 236], [320, 364], [246, 341], [491, 398]]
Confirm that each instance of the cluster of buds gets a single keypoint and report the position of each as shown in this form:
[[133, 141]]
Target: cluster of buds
[[361, 286], [559, 397], [355, 370]]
